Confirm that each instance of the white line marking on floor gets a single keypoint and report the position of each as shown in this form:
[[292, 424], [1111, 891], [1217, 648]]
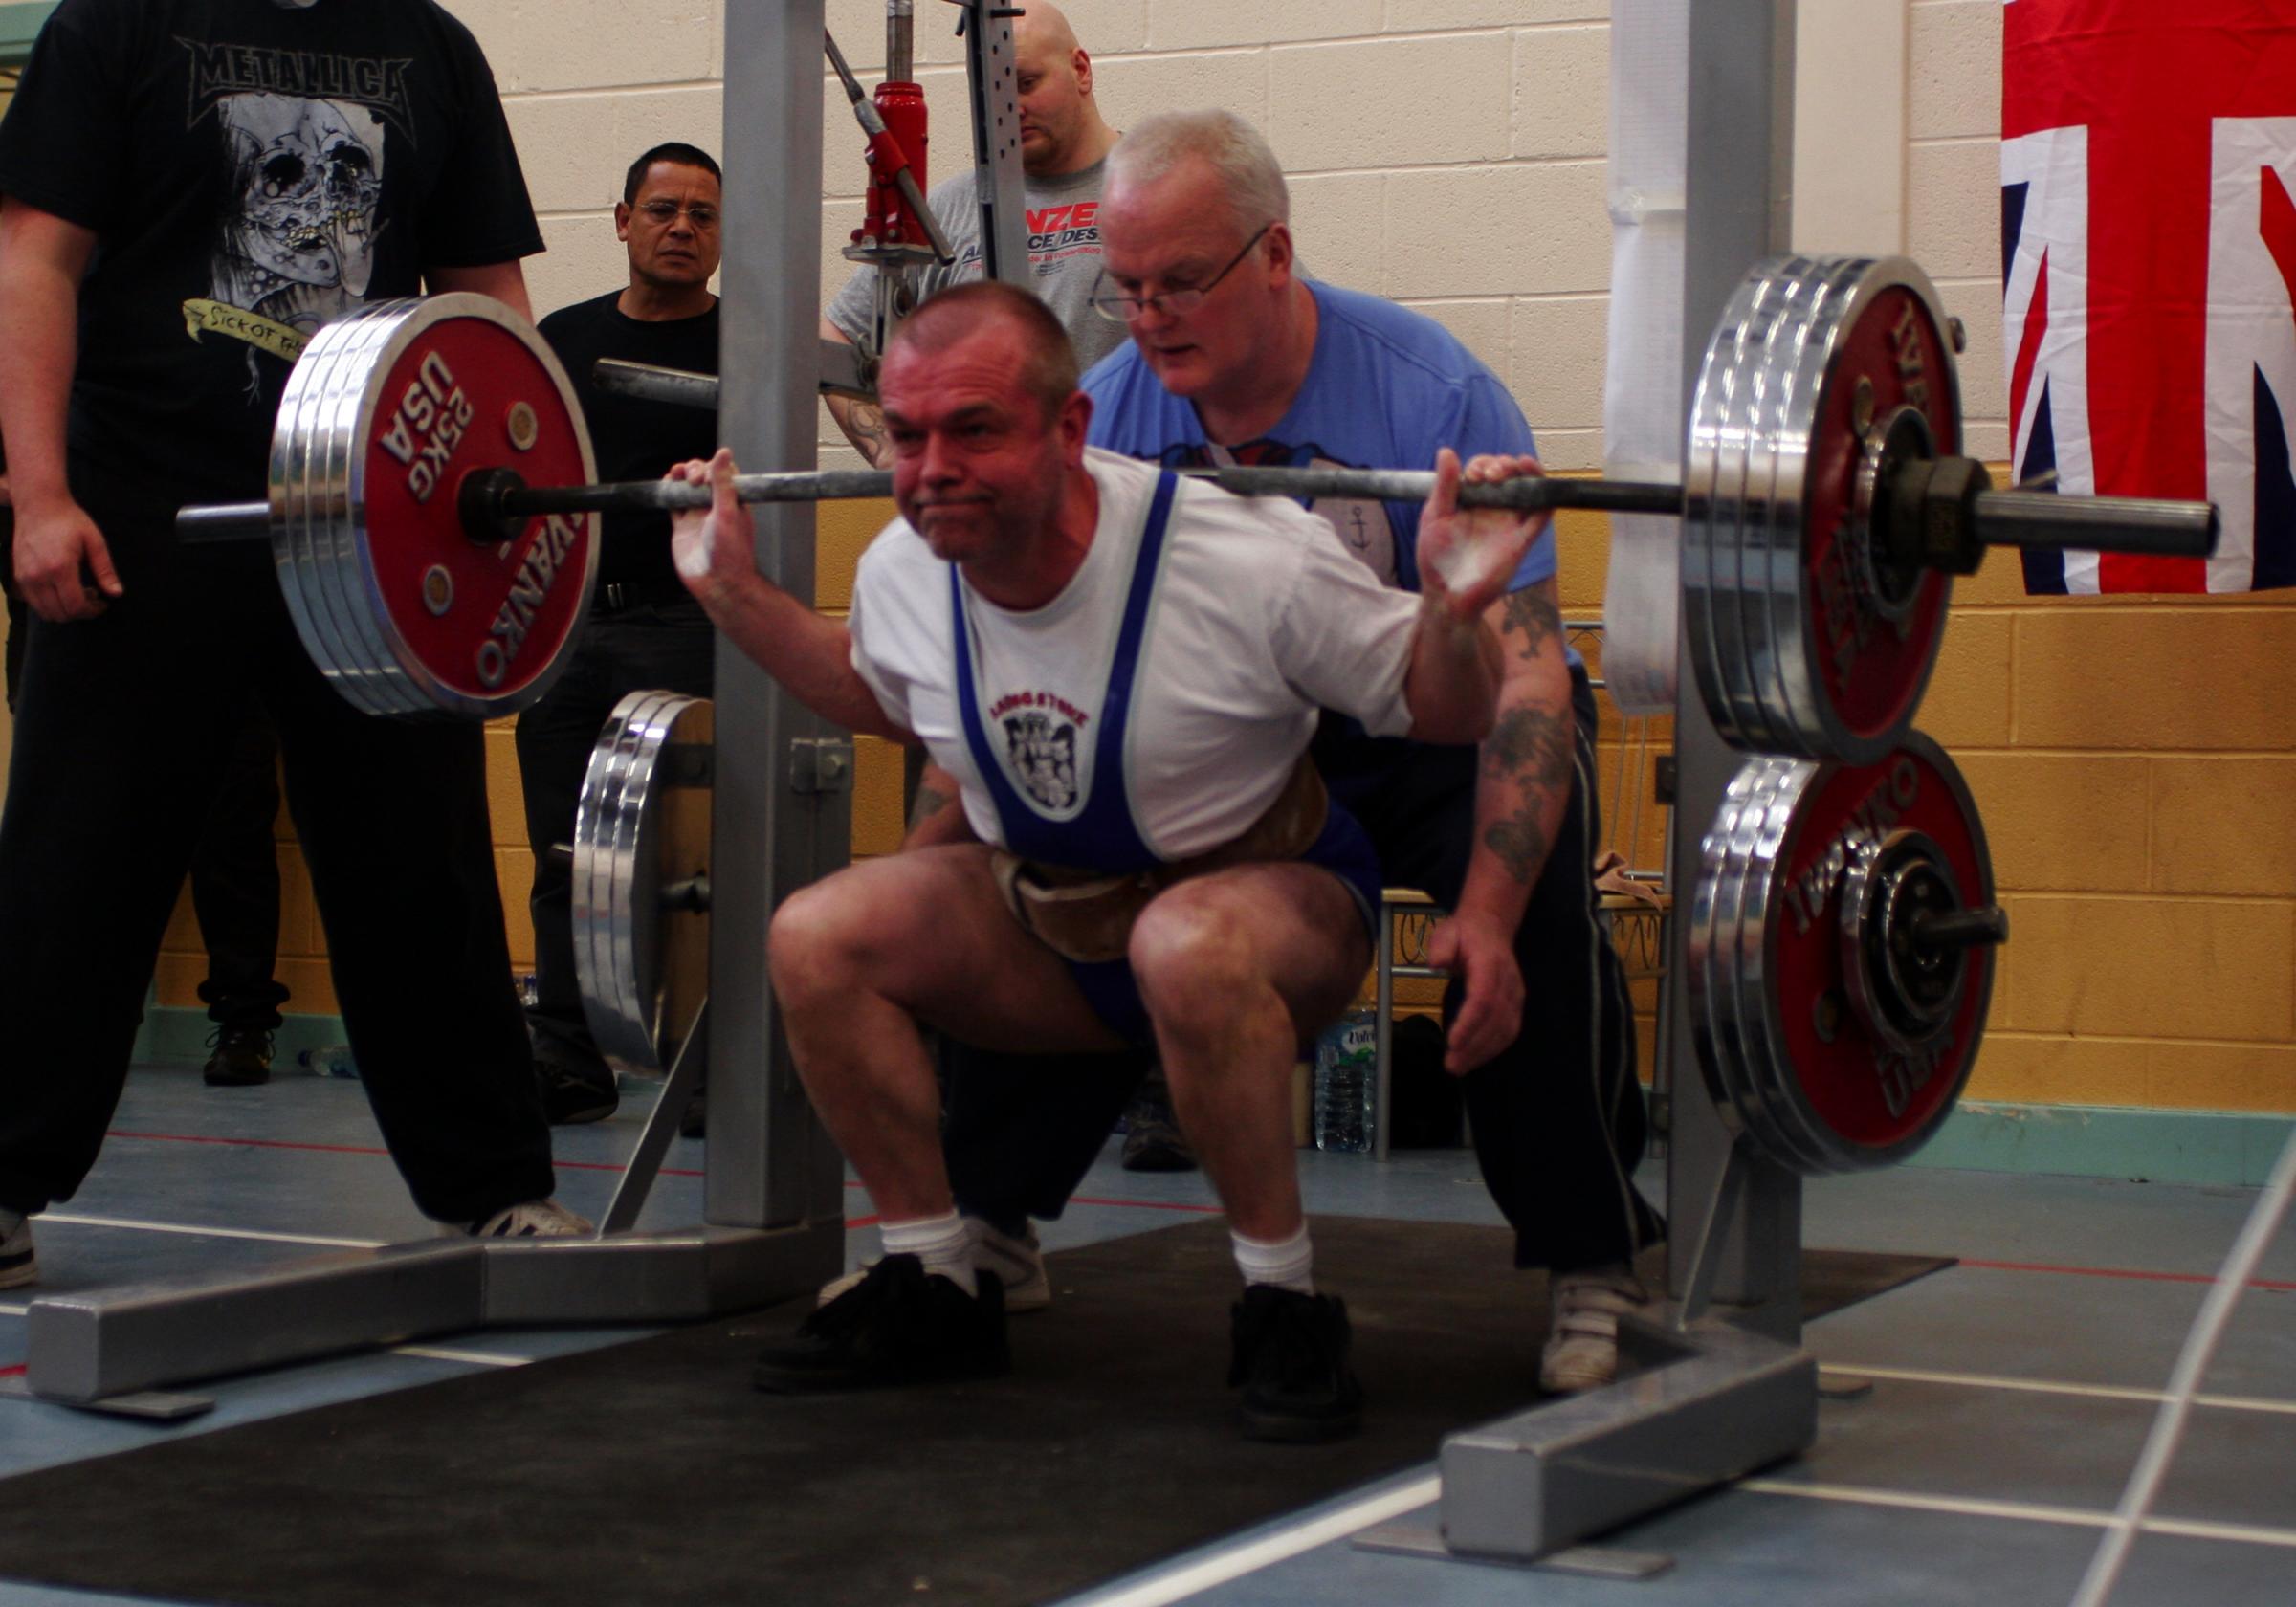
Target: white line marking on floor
[[440, 1353], [1967, 1506], [1219, 1567], [320, 1239], [2053, 1386], [14, 1311]]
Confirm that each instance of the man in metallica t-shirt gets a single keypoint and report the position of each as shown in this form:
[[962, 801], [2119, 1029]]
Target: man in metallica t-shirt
[[192, 187]]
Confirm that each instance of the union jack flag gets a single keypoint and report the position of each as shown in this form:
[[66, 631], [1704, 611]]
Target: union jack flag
[[2148, 272]]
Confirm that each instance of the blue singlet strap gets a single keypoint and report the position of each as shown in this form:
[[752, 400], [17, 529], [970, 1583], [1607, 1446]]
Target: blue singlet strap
[[1103, 835]]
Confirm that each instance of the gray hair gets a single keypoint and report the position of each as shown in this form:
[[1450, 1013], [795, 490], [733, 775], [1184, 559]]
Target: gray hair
[[1232, 148]]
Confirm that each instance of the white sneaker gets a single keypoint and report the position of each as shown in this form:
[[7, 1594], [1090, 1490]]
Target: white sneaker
[[1582, 1347], [1019, 1264], [18, 1266], [534, 1219]]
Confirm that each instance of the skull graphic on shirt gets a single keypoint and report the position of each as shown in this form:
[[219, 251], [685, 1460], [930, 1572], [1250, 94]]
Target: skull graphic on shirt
[[298, 237]]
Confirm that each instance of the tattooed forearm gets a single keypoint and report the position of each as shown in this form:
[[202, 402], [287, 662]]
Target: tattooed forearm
[[1533, 615], [1519, 842], [864, 427], [1533, 745]]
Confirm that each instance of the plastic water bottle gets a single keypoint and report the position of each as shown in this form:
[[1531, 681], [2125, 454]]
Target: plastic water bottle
[[1347, 1084], [329, 1060]]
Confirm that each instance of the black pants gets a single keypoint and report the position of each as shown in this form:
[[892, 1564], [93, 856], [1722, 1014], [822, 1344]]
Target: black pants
[[1558, 1114], [235, 883], [123, 733], [665, 646]]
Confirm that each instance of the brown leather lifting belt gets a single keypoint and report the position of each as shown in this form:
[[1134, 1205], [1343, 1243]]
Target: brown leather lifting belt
[[1087, 916]]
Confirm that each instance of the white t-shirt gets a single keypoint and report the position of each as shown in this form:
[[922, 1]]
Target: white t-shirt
[[1260, 617]]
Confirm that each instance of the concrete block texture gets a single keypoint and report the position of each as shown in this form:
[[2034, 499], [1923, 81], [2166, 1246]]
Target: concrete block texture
[[2221, 1076], [1954, 81], [1409, 16], [878, 820], [1953, 207], [577, 147], [2182, 677], [581, 259], [1541, 227], [1338, 221], [2024, 1067], [2135, 967], [590, 44], [1175, 25], [1131, 88], [2062, 823], [2223, 823], [1562, 92], [1559, 358], [1967, 702], [1391, 103]]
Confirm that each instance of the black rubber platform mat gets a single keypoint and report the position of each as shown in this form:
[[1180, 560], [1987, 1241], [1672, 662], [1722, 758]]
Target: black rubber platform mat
[[651, 1472]]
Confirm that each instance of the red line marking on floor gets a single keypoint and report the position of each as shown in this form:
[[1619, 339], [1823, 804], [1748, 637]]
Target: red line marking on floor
[[364, 1150], [2132, 1274], [12, 1372], [1152, 1205]]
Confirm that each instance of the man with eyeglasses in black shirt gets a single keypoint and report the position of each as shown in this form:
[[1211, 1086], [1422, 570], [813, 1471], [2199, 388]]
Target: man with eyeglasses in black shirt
[[644, 633]]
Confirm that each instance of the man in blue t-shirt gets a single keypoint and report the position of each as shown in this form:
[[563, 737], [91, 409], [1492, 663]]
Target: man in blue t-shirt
[[1237, 358]]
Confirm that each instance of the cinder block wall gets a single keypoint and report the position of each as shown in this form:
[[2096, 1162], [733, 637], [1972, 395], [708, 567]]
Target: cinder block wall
[[2132, 757]]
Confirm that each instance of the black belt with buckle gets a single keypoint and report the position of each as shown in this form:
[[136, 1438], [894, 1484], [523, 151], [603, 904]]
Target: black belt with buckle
[[614, 597]]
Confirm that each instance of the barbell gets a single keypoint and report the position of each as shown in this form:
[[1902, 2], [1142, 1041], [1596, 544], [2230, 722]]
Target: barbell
[[432, 517]]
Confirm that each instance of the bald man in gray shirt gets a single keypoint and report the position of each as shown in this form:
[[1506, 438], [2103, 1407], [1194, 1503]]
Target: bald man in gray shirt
[[1064, 145]]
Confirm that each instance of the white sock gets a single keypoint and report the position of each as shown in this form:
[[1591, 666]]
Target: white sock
[[942, 1243], [1286, 1262]]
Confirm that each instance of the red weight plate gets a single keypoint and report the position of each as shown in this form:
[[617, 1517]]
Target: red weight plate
[[481, 625], [1876, 1102], [1869, 670]]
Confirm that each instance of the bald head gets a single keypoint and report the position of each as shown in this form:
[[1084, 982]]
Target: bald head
[[1061, 130], [1043, 28], [1046, 361]]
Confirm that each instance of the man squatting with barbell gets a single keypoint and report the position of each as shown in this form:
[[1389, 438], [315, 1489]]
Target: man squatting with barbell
[[158, 273], [1237, 358], [1173, 870]]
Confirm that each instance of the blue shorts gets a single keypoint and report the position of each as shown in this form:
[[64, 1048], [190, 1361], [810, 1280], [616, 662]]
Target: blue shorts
[[1342, 847]]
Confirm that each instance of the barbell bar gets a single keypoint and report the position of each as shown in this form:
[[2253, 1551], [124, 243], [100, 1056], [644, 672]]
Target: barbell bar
[[489, 498], [433, 513]]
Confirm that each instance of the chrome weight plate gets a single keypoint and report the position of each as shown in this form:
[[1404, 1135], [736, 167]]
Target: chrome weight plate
[[1835, 1024], [386, 413], [640, 876], [1820, 370]]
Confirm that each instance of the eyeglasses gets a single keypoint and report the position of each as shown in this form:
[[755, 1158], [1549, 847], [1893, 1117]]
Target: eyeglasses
[[663, 213], [1172, 303]]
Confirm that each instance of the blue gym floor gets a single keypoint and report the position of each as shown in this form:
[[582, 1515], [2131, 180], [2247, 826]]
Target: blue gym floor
[[2011, 1395]]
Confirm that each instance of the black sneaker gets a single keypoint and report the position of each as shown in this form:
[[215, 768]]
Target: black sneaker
[[241, 1058], [1291, 1356], [896, 1326], [574, 1091], [1153, 1141]]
